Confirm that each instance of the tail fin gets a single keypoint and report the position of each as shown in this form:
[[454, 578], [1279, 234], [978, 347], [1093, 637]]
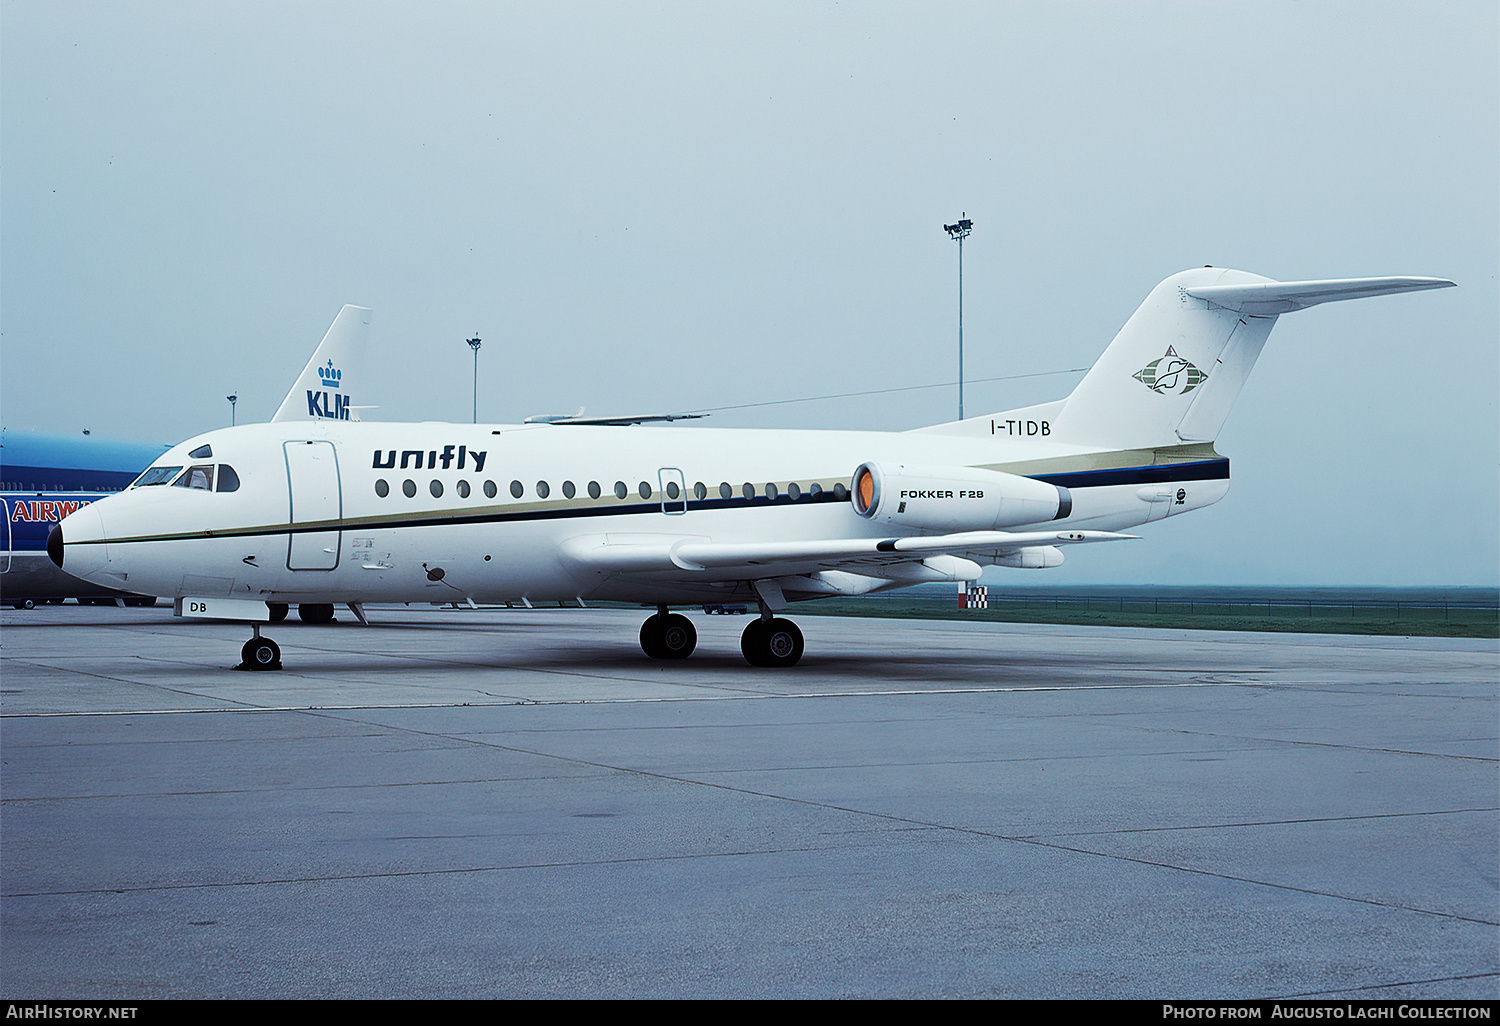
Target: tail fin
[[1172, 372], [1177, 366], [323, 391]]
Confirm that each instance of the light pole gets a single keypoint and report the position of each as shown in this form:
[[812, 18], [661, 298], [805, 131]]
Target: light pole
[[232, 400], [960, 232], [474, 345]]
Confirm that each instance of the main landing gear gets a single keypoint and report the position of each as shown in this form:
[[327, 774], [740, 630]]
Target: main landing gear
[[768, 640], [315, 612], [307, 612], [668, 636], [771, 642]]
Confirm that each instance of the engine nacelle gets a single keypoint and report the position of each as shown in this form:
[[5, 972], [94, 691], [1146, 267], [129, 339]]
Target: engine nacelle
[[949, 499]]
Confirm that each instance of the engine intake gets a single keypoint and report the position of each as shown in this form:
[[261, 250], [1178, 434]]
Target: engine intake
[[949, 499]]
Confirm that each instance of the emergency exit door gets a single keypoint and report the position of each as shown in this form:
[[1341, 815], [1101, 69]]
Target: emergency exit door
[[673, 491]]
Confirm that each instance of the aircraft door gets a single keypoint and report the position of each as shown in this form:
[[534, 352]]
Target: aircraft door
[[5, 558], [673, 491], [312, 472]]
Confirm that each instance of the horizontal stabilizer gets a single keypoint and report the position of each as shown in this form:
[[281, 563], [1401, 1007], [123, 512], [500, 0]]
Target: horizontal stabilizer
[[1268, 299]]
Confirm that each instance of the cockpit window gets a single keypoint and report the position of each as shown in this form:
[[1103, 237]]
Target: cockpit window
[[229, 481], [197, 477], [157, 476], [203, 452]]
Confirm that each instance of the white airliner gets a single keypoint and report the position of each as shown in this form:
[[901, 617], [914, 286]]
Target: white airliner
[[323, 509]]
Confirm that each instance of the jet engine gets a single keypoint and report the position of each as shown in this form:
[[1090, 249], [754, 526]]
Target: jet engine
[[949, 499]]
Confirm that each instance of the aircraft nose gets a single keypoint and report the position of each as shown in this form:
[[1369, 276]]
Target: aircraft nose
[[76, 545]]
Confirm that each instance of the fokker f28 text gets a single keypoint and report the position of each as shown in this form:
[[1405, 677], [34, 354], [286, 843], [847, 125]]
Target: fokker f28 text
[[317, 507]]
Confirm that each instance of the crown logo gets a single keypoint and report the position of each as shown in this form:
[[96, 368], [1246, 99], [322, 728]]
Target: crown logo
[[330, 375]]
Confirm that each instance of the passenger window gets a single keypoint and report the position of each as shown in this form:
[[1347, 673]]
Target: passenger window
[[594, 490], [409, 488], [229, 481], [517, 489], [381, 488], [748, 491], [568, 490], [490, 489], [793, 491], [620, 490], [815, 489], [436, 488], [672, 490], [771, 490], [543, 489], [700, 490], [463, 489], [840, 492], [201, 478], [726, 491], [645, 490]]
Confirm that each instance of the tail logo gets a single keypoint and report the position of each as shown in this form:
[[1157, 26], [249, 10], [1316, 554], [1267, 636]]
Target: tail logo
[[1170, 375], [317, 402]]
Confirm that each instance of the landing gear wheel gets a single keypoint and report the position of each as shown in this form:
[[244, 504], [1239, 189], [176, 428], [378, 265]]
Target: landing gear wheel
[[775, 642], [278, 611], [261, 654], [315, 612], [668, 636]]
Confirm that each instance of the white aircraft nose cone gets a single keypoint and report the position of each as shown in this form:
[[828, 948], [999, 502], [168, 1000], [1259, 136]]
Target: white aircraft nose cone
[[77, 545]]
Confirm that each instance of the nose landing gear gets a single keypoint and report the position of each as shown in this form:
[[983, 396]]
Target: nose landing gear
[[260, 653]]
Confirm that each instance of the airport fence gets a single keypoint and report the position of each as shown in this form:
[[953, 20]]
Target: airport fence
[[1374, 609]]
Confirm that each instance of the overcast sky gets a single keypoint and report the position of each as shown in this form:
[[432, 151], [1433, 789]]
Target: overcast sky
[[667, 206]]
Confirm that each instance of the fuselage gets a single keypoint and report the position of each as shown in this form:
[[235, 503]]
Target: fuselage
[[337, 511]]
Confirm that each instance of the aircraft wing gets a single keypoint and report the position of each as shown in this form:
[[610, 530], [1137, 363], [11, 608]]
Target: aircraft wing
[[758, 560], [624, 421]]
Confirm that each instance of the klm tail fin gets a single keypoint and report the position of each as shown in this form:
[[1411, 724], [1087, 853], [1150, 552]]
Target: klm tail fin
[[1177, 366], [325, 388]]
